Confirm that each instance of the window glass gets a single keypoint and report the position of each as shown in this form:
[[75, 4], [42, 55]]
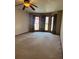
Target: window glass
[[52, 23], [36, 24], [46, 23]]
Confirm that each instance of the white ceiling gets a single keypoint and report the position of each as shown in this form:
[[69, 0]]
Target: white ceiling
[[45, 5]]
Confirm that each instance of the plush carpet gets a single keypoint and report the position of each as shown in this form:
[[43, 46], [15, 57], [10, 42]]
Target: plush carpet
[[38, 45]]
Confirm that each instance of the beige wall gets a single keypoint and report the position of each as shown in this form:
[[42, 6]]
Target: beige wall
[[61, 34], [21, 21], [58, 22]]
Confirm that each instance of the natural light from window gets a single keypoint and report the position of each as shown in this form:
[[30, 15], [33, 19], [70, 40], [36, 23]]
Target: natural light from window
[[46, 23], [52, 23], [36, 24]]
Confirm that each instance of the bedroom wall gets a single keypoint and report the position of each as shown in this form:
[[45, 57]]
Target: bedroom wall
[[61, 34], [21, 21], [58, 22]]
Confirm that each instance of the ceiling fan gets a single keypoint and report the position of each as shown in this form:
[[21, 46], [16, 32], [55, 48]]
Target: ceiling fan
[[26, 4]]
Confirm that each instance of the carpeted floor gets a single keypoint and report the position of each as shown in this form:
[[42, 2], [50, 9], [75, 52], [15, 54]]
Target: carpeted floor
[[38, 45]]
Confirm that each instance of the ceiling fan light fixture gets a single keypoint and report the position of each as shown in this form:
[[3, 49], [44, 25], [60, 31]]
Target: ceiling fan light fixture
[[27, 4]]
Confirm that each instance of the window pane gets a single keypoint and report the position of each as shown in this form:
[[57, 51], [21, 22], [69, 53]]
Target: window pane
[[36, 25], [46, 23], [52, 24]]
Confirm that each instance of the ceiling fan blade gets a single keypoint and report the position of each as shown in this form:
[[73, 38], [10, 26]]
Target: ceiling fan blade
[[23, 7], [32, 8], [26, 0], [34, 5], [18, 4]]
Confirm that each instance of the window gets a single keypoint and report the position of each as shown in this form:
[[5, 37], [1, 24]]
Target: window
[[46, 23], [52, 23], [42, 22], [36, 24]]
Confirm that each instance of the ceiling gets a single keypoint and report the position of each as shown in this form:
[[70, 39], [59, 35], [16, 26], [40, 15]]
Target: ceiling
[[44, 5]]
